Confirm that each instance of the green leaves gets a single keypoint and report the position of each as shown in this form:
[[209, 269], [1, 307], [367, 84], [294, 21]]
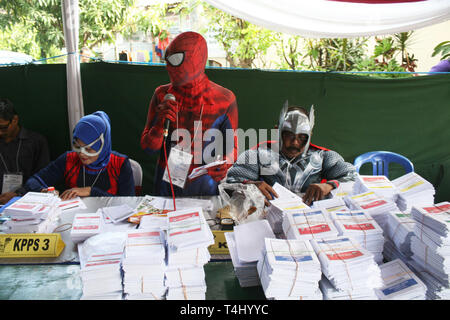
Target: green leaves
[[443, 49]]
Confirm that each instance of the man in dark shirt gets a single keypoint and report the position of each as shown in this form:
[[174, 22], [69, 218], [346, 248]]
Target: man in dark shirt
[[22, 152]]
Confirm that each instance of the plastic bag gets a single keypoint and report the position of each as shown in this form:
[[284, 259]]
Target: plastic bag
[[246, 201]]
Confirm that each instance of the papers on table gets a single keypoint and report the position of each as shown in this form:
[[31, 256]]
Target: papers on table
[[331, 293], [35, 212], [188, 237], [289, 269], [344, 189], [363, 228], [154, 221], [118, 213], [400, 283], [100, 262], [331, 205], [250, 239], [287, 201], [399, 229], [374, 204], [199, 171], [246, 272], [144, 265], [75, 203], [309, 224], [86, 225], [379, 184], [436, 289], [348, 266], [145, 207], [413, 190]]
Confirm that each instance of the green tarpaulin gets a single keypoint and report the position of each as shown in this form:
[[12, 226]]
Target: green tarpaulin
[[354, 113]]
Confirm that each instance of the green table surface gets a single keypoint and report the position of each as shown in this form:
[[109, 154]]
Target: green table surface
[[63, 282]]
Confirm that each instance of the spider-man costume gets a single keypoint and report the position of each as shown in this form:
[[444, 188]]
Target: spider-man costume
[[197, 98]]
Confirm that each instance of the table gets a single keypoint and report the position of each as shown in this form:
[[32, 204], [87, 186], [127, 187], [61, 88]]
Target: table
[[59, 278]]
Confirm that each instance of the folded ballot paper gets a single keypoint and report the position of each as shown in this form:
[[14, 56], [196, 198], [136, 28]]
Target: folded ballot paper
[[379, 184], [35, 212], [309, 224], [331, 205], [399, 229], [413, 190], [187, 229], [144, 265], [289, 269], [363, 228], [374, 204], [199, 171], [400, 283], [246, 272], [86, 225], [100, 262], [347, 265], [118, 213], [75, 203], [287, 201], [331, 293]]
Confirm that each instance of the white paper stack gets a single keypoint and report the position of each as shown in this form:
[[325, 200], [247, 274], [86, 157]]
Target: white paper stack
[[310, 224], [431, 241], [287, 201], [246, 272], [144, 265], [188, 239], [375, 205], [35, 212], [413, 190], [399, 230], [344, 189], [331, 205], [379, 184], [289, 269], [363, 228], [100, 262], [118, 213], [400, 283], [154, 221], [348, 266], [86, 225], [436, 290], [331, 293]]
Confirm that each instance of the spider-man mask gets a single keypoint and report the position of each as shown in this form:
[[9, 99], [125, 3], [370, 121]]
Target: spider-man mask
[[186, 58]]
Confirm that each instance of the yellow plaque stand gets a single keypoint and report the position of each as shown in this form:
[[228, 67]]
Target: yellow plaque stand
[[220, 243], [31, 245]]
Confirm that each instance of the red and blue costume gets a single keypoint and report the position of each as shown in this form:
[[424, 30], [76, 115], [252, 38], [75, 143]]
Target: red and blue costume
[[197, 99]]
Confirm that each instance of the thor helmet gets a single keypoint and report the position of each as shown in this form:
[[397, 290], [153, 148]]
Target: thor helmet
[[296, 122]]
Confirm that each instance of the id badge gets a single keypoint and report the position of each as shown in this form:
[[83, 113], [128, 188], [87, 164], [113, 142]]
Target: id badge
[[179, 163], [12, 181]]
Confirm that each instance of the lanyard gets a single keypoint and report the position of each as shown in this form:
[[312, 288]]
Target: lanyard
[[84, 178], [17, 158]]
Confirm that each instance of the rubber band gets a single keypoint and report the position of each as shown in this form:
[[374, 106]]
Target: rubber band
[[61, 225]]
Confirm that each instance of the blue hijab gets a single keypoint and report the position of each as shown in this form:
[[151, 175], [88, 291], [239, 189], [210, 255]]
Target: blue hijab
[[88, 129]]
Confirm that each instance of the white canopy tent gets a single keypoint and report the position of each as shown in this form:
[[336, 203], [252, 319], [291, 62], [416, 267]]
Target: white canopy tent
[[308, 18]]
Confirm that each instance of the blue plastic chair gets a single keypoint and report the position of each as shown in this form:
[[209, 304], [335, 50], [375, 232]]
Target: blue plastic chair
[[380, 162]]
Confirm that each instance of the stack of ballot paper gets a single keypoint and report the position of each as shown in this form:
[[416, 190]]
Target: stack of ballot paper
[[100, 262], [413, 190], [118, 213], [289, 269], [147, 206], [436, 289], [344, 189], [375, 205], [399, 230], [363, 228], [309, 224], [246, 272], [287, 201], [75, 203], [331, 205], [331, 293], [188, 239], [35, 212], [431, 241], [154, 221], [400, 283], [86, 225], [348, 266], [144, 265], [379, 184]]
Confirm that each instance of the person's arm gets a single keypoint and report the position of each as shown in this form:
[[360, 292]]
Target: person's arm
[[48, 176]]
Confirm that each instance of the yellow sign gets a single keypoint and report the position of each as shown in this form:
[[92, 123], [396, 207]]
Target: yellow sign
[[31, 245], [220, 243]]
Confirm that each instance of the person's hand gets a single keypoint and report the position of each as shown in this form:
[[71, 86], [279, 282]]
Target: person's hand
[[219, 172], [316, 191], [266, 190], [167, 109], [5, 197], [76, 192]]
